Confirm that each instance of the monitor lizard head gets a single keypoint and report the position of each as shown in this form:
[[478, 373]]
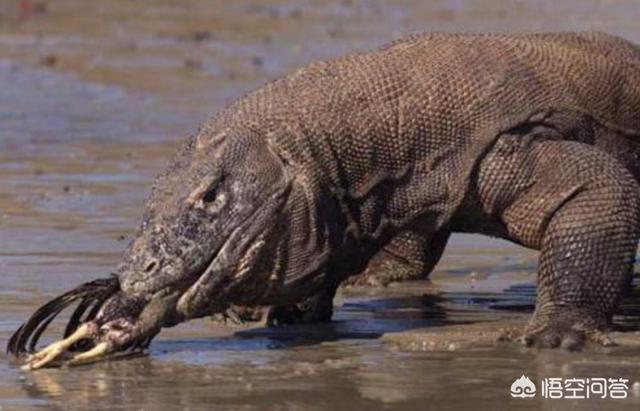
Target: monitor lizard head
[[211, 236]]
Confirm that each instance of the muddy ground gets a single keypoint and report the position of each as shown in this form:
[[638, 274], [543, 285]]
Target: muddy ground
[[94, 97]]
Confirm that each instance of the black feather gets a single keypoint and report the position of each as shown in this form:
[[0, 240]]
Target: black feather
[[91, 295], [76, 317]]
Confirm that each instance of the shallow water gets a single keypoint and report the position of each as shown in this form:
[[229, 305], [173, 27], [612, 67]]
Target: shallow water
[[93, 100]]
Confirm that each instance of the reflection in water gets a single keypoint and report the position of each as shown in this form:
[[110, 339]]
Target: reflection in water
[[331, 365]]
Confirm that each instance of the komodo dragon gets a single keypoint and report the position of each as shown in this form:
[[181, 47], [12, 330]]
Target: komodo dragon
[[285, 193]]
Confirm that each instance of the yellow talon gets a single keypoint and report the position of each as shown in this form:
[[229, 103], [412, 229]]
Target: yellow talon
[[97, 351], [53, 351]]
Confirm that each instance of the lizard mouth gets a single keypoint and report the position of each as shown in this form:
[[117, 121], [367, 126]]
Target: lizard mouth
[[84, 325], [89, 334]]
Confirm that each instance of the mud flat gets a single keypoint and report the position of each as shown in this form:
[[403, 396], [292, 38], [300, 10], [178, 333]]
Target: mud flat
[[480, 335], [453, 337]]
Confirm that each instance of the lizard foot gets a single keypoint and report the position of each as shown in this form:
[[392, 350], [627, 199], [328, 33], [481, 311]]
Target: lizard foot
[[565, 331], [239, 315], [310, 311]]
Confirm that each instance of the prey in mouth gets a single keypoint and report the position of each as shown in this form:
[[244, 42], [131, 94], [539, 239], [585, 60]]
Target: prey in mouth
[[88, 334], [212, 235]]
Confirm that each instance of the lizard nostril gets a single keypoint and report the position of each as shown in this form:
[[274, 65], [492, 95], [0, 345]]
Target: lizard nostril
[[151, 266]]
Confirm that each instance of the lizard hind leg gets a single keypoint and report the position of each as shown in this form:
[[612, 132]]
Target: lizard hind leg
[[585, 266], [581, 208], [409, 256]]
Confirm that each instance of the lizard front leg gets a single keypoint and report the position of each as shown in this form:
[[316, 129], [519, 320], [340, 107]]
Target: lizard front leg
[[409, 256], [315, 309], [581, 208]]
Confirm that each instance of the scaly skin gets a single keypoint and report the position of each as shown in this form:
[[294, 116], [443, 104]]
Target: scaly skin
[[580, 208], [296, 187]]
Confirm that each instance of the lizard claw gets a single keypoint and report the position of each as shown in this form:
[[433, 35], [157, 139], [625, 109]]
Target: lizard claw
[[572, 339]]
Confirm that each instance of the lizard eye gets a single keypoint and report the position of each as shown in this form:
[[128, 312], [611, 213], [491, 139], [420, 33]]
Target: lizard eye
[[210, 196], [213, 200], [214, 197], [214, 203]]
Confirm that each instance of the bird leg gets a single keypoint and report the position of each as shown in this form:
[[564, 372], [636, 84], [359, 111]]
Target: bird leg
[[55, 350], [96, 352]]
